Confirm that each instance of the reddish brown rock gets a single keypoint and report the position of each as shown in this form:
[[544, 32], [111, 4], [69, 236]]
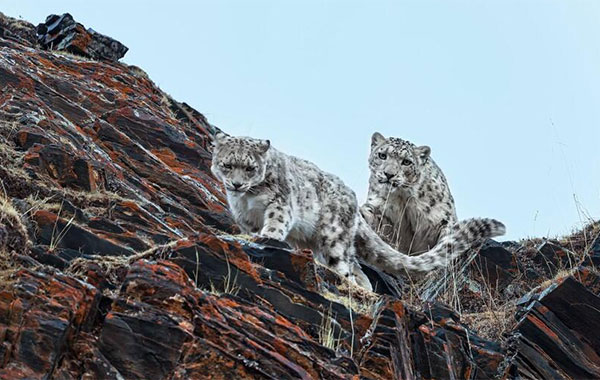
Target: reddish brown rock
[[56, 232], [245, 340], [42, 315], [559, 335], [68, 171]]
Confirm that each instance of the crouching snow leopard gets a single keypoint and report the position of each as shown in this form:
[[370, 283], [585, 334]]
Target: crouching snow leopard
[[409, 202], [281, 197]]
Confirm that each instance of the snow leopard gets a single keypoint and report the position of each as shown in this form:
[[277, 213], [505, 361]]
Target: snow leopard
[[277, 196], [409, 202]]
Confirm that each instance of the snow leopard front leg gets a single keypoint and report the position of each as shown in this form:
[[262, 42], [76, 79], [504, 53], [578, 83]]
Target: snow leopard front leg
[[372, 209], [340, 254], [377, 219], [277, 221], [359, 276], [335, 237]]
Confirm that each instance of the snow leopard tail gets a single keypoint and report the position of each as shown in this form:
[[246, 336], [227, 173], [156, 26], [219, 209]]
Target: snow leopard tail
[[460, 238]]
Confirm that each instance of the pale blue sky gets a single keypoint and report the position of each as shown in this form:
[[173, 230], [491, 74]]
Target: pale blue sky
[[506, 93]]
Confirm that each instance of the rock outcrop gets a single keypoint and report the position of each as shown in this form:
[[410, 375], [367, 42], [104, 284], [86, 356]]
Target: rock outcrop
[[64, 34], [119, 260]]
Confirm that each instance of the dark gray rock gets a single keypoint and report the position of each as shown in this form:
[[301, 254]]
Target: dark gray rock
[[64, 33]]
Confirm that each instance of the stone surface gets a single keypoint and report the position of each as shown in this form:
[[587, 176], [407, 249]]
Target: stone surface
[[63, 33], [119, 259], [552, 257], [497, 264], [43, 315], [559, 336], [593, 258], [16, 30]]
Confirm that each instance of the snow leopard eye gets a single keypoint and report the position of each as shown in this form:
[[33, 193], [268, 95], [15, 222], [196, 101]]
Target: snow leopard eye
[[406, 162], [227, 166], [250, 169], [382, 156]]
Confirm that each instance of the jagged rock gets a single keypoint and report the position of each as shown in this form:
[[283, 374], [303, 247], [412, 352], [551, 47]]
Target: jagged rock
[[42, 315], [593, 258], [56, 232], [496, 264], [17, 30], [382, 282], [559, 335], [589, 277], [552, 257], [63, 33], [226, 335], [66, 169]]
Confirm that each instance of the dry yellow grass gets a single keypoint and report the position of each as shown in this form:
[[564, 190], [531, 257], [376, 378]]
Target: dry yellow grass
[[14, 240], [492, 324], [327, 332]]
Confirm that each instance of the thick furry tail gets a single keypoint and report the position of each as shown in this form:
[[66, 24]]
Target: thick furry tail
[[461, 237]]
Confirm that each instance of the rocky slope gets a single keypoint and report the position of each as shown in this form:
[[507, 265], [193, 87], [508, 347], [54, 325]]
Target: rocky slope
[[119, 259]]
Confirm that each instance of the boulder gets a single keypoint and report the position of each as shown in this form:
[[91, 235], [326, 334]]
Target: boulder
[[64, 34], [558, 337]]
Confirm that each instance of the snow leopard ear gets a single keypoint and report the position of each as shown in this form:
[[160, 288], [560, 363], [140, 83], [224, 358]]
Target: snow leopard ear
[[263, 145], [376, 139], [423, 151], [220, 138]]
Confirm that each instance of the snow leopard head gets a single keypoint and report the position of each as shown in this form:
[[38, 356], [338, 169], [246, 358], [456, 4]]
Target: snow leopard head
[[239, 162], [395, 162]]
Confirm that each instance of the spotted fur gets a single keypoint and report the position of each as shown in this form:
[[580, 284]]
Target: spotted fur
[[277, 196], [409, 202]]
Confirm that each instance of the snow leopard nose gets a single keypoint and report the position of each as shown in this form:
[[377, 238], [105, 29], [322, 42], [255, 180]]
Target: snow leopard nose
[[389, 175], [236, 185]]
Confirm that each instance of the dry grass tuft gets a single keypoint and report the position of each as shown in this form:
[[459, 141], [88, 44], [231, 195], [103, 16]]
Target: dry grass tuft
[[492, 324], [229, 284], [351, 295], [13, 240], [358, 300], [327, 332], [16, 237], [113, 267]]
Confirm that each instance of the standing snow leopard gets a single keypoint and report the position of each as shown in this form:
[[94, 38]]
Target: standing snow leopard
[[409, 202], [282, 197]]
